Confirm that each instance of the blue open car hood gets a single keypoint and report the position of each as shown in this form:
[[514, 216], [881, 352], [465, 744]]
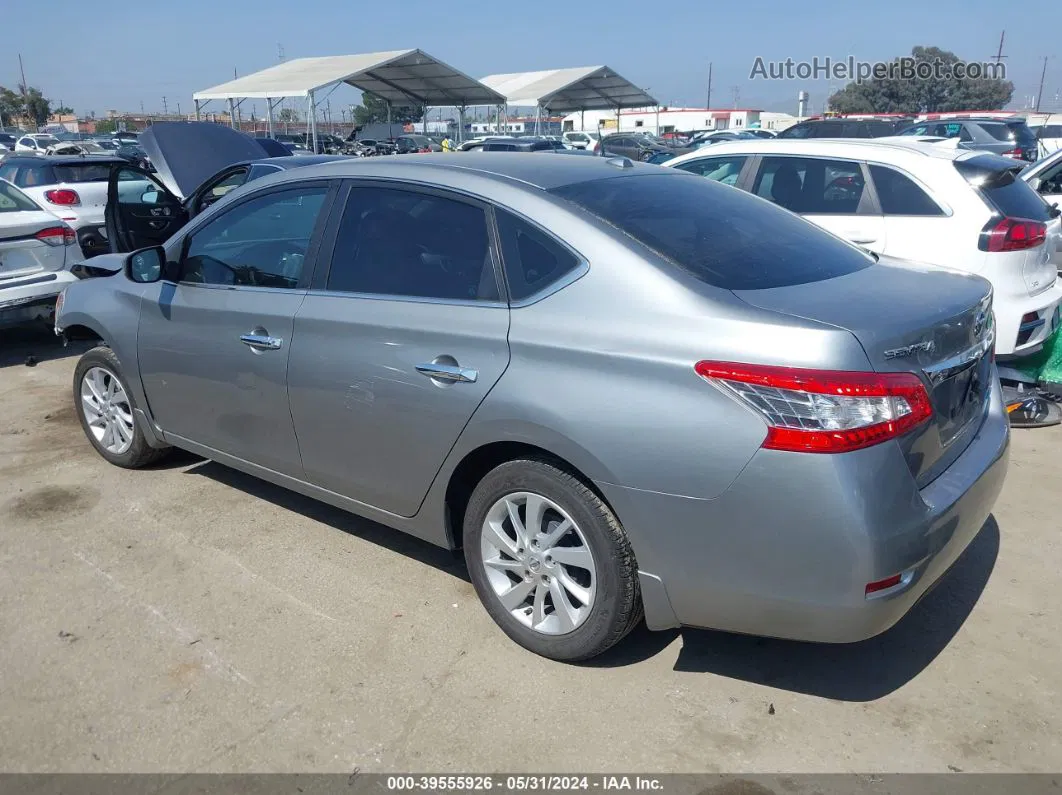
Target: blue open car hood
[[187, 153]]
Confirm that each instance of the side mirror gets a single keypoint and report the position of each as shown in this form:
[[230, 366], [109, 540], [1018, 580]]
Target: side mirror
[[145, 266], [150, 197]]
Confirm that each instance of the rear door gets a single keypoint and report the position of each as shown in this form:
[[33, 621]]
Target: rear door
[[213, 344], [398, 343], [916, 224], [140, 212], [829, 192]]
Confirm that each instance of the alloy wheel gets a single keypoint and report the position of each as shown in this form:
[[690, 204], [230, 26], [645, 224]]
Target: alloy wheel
[[107, 410], [538, 563]]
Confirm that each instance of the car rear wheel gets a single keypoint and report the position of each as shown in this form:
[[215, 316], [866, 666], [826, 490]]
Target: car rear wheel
[[105, 407], [549, 561]]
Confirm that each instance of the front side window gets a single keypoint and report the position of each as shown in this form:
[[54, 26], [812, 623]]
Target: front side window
[[419, 245], [814, 186], [260, 243], [725, 169], [533, 259], [799, 131], [920, 129], [899, 195]]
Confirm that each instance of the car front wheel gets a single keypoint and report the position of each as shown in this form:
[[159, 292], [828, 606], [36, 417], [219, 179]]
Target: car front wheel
[[105, 408], [550, 561]]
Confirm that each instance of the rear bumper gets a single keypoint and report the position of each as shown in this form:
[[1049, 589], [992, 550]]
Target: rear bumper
[[788, 550], [33, 297], [1017, 336]]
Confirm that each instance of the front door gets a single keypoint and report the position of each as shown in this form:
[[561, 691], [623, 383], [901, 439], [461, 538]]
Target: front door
[[214, 343], [140, 212], [827, 191], [398, 345]]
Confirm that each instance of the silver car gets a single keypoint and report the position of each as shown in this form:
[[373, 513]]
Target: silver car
[[617, 387]]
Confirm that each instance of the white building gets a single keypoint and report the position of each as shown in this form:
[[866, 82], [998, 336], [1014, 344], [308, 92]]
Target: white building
[[664, 120]]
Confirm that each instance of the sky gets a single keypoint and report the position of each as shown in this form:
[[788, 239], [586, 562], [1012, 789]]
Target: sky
[[124, 56]]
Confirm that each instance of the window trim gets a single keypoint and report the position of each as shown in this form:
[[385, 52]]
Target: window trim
[[319, 283], [179, 243], [945, 209]]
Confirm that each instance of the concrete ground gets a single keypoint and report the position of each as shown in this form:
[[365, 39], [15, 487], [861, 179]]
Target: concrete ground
[[190, 618]]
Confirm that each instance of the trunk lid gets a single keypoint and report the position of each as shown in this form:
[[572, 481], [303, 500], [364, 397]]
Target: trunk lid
[[22, 254], [908, 318]]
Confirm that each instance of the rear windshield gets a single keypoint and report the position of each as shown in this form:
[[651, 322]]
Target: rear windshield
[[82, 172], [13, 200], [722, 236], [998, 181], [1019, 132]]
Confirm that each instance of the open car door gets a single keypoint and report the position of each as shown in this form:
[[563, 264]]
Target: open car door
[[140, 212]]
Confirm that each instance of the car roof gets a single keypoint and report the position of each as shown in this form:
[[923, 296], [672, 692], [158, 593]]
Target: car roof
[[890, 148], [544, 173], [61, 160]]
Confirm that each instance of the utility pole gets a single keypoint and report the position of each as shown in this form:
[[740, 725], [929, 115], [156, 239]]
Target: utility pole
[[22, 71], [737, 94], [999, 53], [709, 105], [165, 108], [141, 107], [1040, 93]]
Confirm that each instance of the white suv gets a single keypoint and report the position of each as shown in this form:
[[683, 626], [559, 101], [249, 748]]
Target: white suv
[[583, 140], [35, 143], [924, 202]]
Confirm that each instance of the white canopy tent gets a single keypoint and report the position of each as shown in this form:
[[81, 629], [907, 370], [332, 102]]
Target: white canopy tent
[[565, 91], [400, 77]]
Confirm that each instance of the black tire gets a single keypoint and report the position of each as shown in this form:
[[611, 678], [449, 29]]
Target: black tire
[[617, 606], [140, 453]]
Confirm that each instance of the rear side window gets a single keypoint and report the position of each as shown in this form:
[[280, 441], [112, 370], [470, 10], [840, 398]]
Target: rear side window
[[533, 260], [1050, 131], [899, 195], [405, 243], [723, 237], [82, 172], [811, 185], [877, 129], [798, 131]]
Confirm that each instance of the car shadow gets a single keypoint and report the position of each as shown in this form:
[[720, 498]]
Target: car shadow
[[375, 533], [31, 344], [862, 671]]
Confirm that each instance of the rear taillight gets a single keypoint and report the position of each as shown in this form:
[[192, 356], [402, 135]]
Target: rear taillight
[[57, 236], [63, 196], [824, 411], [1012, 234], [1017, 153]]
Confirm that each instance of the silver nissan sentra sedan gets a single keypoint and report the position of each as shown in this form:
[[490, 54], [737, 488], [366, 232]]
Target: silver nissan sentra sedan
[[619, 388]]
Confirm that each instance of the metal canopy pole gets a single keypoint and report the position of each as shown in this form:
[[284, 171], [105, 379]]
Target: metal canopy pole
[[658, 121], [232, 113], [313, 122], [196, 109], [582, 120], [269, 115], [424, 124], [460, 123]]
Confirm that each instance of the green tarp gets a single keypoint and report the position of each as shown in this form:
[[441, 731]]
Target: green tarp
[[1045, 366]]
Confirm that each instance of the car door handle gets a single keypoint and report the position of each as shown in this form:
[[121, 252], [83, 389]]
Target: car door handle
[[448, 372], [262, 342], [860, 240]]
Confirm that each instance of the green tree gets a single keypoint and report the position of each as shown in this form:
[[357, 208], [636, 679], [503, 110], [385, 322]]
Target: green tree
[[288, 115], [940, 92], [36, 107], [63, 110], [11, 106], [373, 110], [106, 126]]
